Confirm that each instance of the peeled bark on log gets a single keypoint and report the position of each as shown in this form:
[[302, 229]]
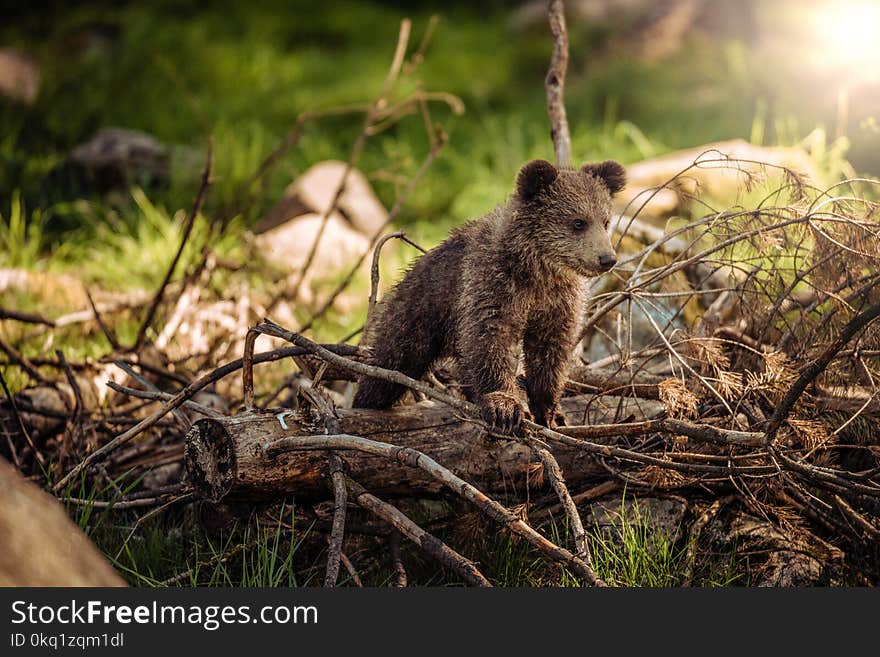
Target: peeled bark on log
[[225, 458], [39, 545]]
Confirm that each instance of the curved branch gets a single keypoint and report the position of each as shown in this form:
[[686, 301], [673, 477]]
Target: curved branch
[[463, 566]]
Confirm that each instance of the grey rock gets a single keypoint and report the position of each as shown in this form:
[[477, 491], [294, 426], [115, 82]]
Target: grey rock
[[116, 158]]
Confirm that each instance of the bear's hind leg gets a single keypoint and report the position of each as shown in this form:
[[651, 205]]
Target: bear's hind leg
[[409, 347]]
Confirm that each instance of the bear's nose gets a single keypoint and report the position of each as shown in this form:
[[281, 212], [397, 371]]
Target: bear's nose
[[606, 262]]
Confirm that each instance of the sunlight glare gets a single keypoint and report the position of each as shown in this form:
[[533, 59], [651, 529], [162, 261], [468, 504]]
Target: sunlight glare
[[849, 35]]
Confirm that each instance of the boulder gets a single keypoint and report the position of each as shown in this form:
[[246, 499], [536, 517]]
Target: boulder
[[314, 192], [287, 246]]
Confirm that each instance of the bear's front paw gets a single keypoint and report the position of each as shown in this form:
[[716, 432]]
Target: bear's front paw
[[503, 411], [550, 417], [557, 418]]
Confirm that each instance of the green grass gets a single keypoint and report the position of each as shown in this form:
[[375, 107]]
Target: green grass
[[638, 553], [274, 547], [251, 552], [22, 241], [633, 552]]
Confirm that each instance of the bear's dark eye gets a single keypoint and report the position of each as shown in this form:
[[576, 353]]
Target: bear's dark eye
[[579, 224]]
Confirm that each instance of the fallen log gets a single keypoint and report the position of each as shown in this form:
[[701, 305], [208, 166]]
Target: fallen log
[[226, 457]]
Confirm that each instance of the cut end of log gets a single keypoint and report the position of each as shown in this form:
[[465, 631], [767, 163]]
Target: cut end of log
[[210, 459]]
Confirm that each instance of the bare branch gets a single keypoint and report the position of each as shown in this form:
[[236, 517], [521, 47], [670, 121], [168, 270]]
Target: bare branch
[[337, 534], [582, 545], [815, 368], [374, 267], [554, 84], [27, 318], [462, 566]]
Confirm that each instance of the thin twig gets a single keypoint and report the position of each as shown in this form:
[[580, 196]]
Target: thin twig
[[27, 318], [554, 472], [79, 404], [121, 505], [698, 431], [108, 333], [374, 267], [187, 229], [352, 571], [158, 395], [397, 560], [419, 55], [375, 108], [151, 387], [21, 425], [20, 360], [860, 521], [696, 529]]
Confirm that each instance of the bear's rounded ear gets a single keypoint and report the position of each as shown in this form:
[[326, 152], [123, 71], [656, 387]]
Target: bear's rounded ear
[[533, 177], [611, 173]]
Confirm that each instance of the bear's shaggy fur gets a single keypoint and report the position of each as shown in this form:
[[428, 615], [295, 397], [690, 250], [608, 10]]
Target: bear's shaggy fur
[[509, 281]]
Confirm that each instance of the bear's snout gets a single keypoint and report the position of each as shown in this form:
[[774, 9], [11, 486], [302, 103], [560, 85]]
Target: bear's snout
[[606, 262]]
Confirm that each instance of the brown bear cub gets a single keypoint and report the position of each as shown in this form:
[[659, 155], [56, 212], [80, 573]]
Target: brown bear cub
[[508, 282]]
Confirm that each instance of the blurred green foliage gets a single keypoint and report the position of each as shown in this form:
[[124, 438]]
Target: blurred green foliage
[[242, 72]]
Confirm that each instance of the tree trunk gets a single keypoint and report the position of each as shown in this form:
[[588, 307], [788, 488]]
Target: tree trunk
[[225, 457]]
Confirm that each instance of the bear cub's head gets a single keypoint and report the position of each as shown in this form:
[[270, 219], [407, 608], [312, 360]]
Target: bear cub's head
[[566, 213]]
